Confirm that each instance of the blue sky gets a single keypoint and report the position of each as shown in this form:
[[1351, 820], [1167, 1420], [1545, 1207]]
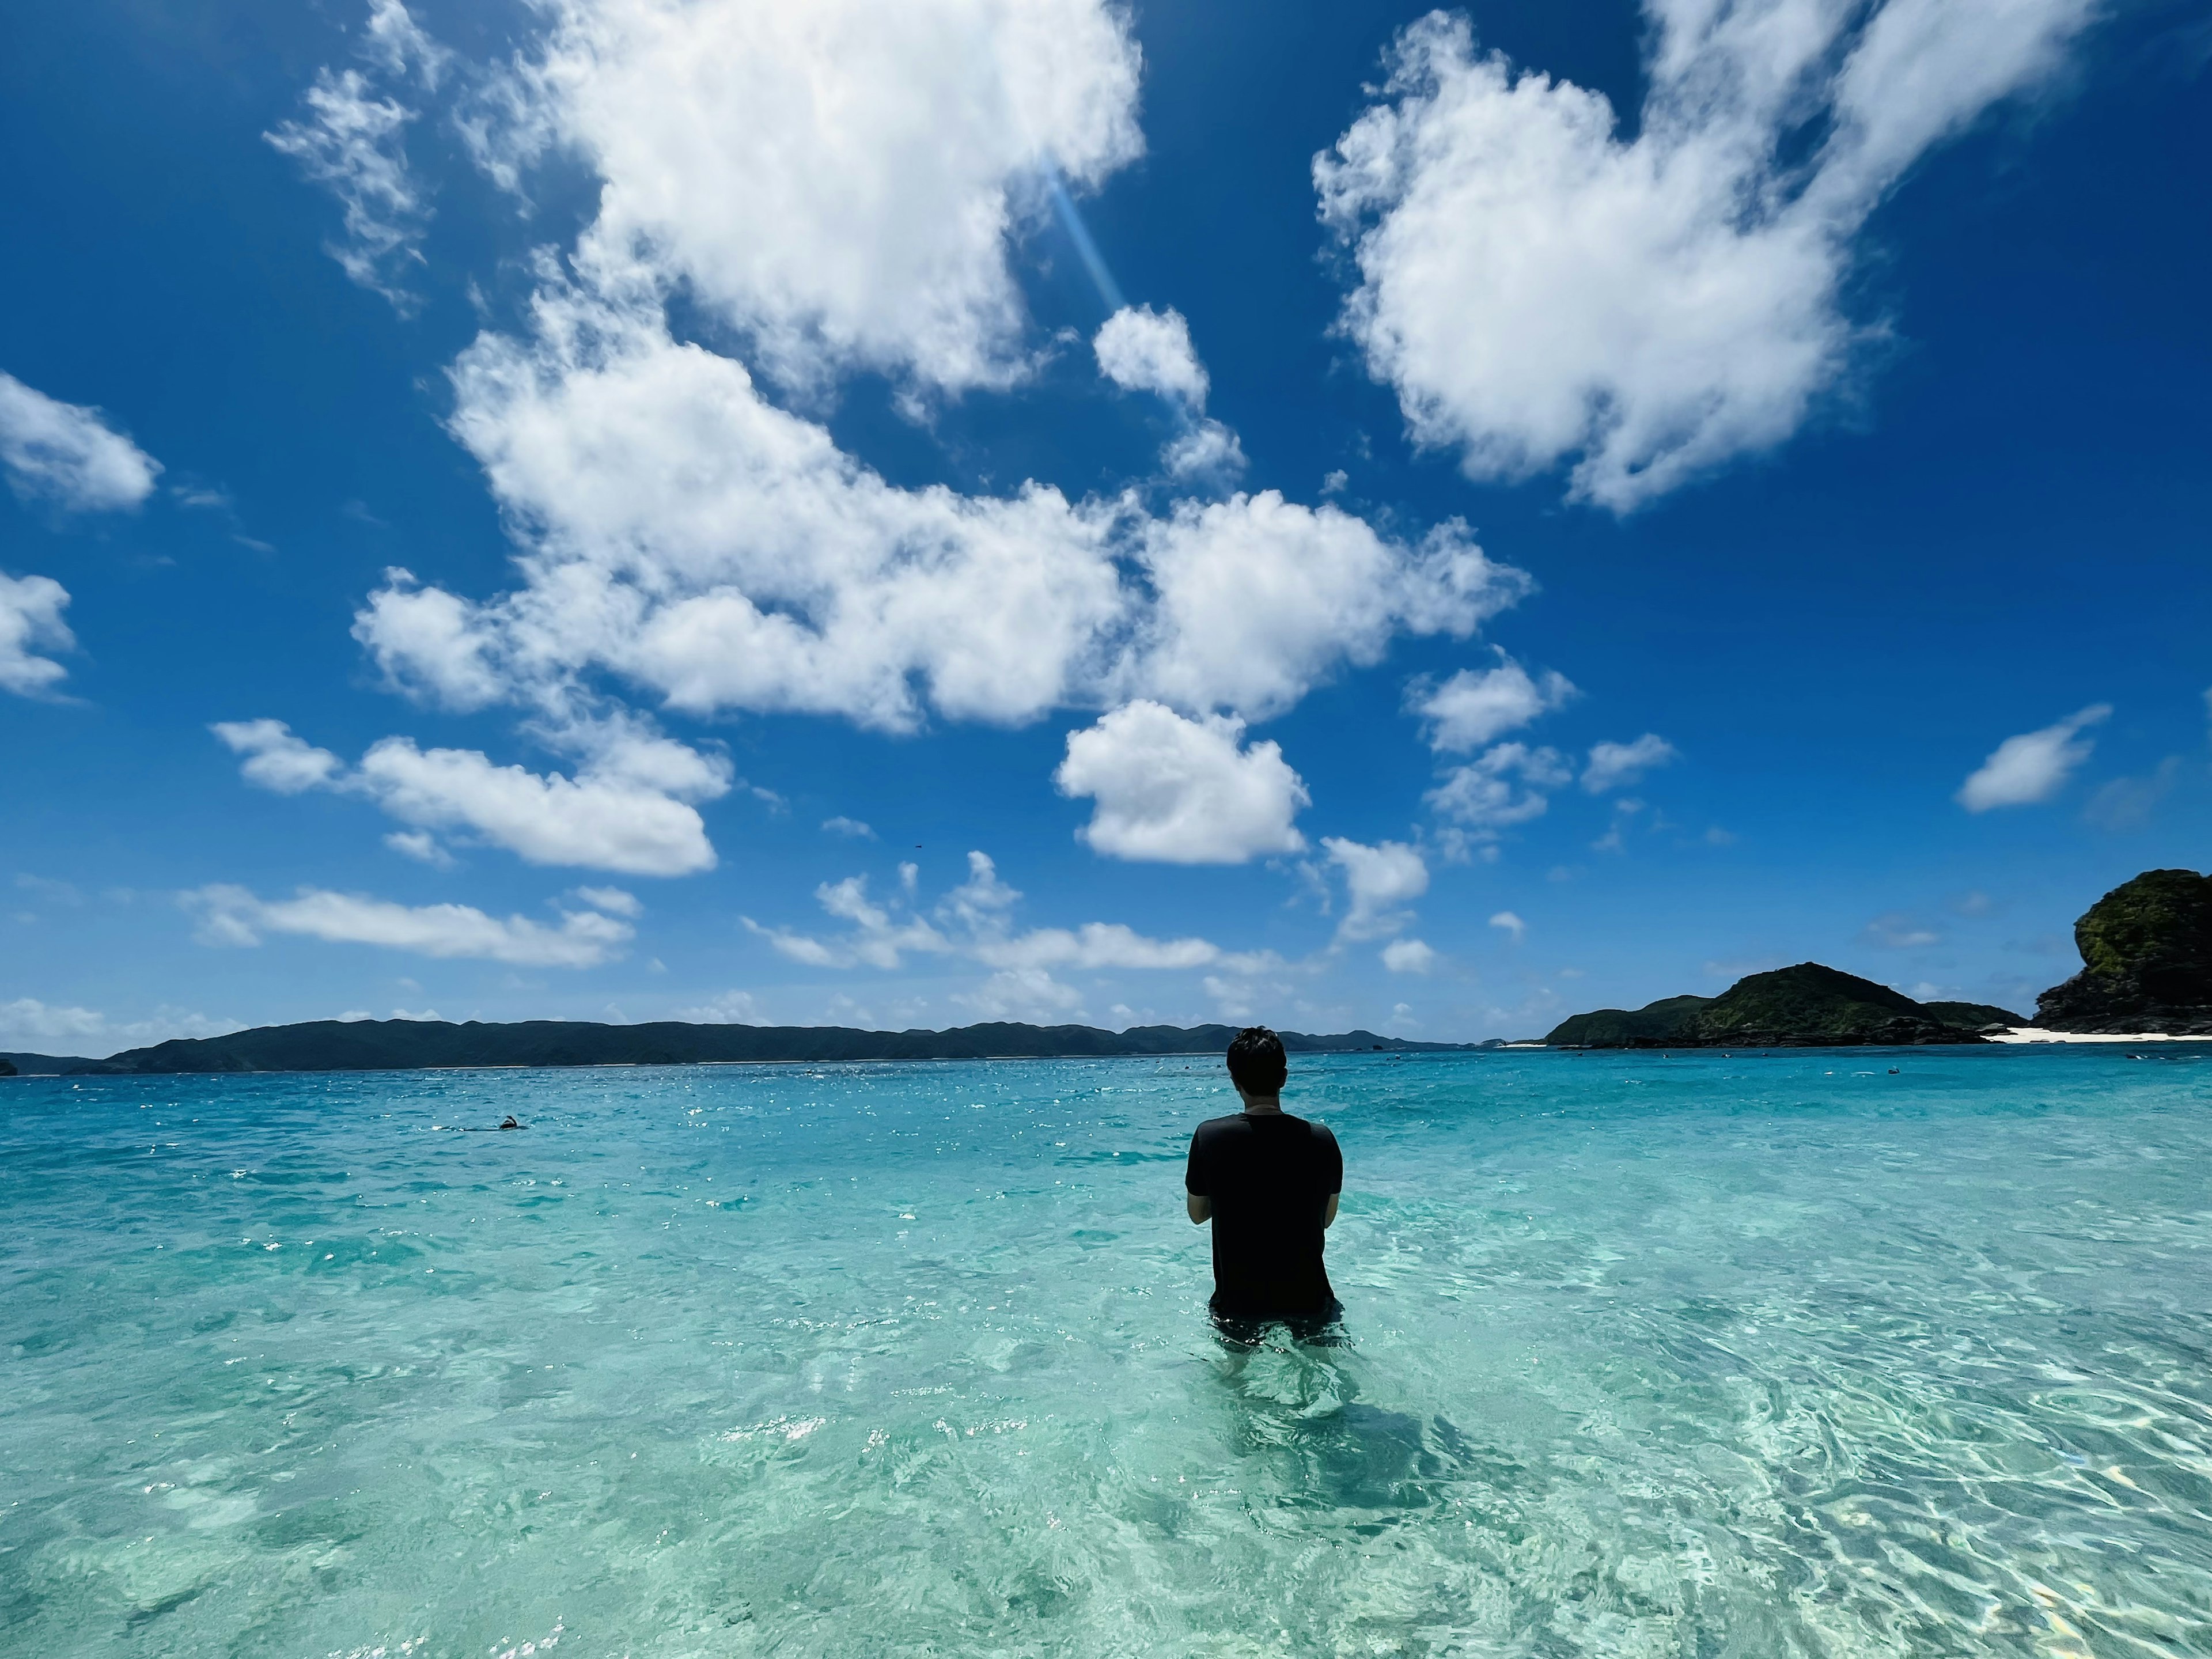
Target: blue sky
[[628, 510]]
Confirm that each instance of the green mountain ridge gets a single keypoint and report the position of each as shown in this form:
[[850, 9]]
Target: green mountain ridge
[[372, 1045], [1807, 1005]]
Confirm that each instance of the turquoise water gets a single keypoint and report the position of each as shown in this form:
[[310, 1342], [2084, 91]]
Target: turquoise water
[[1702, 1356]]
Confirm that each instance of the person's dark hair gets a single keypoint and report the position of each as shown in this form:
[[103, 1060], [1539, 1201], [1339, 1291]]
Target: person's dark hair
[[1256, 1062]]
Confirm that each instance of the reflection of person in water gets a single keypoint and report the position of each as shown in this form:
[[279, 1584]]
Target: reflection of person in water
[[1269, 1183]]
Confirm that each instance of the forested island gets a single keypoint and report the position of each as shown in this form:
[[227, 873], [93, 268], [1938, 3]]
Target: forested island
[[1805, 1007], [388, 1045], [2147, 970]]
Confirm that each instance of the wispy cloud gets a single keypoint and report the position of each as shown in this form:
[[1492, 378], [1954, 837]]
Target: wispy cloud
[[232, 915], [1898, 930], [2034, 766], [28, 1024], [628, 808], [972, 922], [353, 143], [1613, 764]]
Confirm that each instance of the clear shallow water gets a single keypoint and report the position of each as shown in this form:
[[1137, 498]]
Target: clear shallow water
[[1704, 1356]]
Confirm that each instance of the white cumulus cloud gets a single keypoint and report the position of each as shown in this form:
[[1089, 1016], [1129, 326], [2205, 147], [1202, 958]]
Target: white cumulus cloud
[[837, 187], [2032, 766], [1140, 350], [1408, 955], [232, 915], [1259, 598], [842, 186], [1474, 706], [1506, 922], [31, 620], [724, 554], [1505, 785], [1536, 287], [1175, 791], [68, 454], [276, 758], [1377, 880], [838, 180]]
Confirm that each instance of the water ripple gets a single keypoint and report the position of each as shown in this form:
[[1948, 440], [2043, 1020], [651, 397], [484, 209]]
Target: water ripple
[[1742, 1356]]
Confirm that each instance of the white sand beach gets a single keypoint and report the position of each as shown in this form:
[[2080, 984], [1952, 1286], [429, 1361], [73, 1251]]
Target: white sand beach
[[2028, 1034]]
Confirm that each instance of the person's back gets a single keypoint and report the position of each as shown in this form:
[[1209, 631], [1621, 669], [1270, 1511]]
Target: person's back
[[1269, 1183]]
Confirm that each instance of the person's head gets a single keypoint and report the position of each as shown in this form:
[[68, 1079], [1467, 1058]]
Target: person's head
[[1256, 1065]]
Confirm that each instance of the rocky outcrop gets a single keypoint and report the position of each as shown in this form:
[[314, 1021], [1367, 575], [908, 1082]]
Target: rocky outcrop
[[7, 1068], [1805, 1007], [2146, 961]]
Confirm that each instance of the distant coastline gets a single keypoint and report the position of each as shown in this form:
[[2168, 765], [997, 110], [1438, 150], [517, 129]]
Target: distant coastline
[[2146, 977], [404, 1045]]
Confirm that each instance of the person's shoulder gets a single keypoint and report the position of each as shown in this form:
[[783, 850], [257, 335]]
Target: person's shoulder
[[1218, 1126], [1316, 1128]]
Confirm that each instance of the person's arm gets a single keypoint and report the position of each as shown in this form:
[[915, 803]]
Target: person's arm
[[1333, 1157], [1197, 1186]]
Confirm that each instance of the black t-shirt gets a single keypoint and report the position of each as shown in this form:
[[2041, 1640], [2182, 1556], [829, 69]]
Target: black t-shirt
[[1270, 1176]]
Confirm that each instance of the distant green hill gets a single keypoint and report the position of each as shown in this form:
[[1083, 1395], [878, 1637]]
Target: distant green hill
[[1654, 1025], [44, 1064], [1805, 1007], [373, 1045]]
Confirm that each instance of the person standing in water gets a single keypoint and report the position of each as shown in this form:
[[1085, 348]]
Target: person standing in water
[[1269, 1183]]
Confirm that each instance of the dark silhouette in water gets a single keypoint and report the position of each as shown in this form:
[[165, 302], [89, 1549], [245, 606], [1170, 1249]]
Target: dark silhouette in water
[[1269, 1183]]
